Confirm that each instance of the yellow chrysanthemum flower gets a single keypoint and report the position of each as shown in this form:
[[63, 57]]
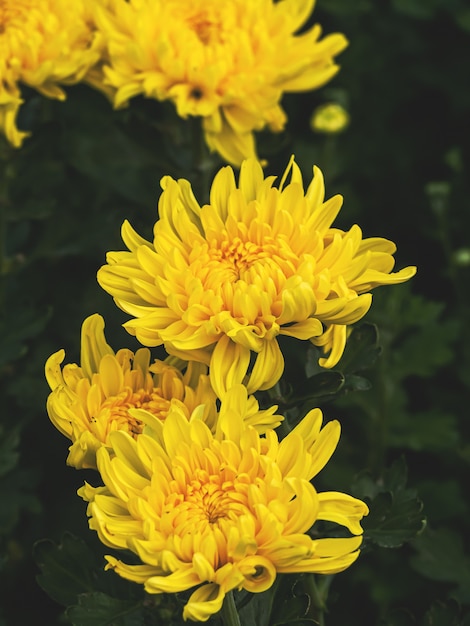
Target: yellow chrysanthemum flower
[[227, 62], [90, 401], [223, 281], [329, 118], [220, 512], [43, 44]]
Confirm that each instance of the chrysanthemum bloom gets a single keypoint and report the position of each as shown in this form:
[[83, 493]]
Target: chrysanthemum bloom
[[90, 401], [227, 62], [221, 282], [220, 512], [43, 44], [329, 118]]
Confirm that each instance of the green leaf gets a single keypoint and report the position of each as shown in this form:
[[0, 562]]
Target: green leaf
[[281, 605], [67, 569], [395, 513], [292, 602], [291, 609], [308, 392], [352, 382], [393, 519], [361, 349], [257, 610], [416, 338], [324, 384], [393, 479], [99, 609], [440, 556]]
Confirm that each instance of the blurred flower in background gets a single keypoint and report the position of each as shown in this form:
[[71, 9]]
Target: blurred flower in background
[[221, 512], [226, 62], [43, 44], [329, 118]]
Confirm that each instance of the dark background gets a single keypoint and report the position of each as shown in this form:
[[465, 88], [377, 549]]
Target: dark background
[[402, 166]]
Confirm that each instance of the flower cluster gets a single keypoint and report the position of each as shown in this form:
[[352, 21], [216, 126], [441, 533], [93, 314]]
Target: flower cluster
[[227, 62], [196, 481], [43, 44]]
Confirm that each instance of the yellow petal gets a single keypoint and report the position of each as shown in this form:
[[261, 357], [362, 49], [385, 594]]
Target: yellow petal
[[229, 365], [206, 601], [93, 344]]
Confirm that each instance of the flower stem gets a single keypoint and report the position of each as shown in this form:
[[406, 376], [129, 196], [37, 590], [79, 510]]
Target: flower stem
[[318, 592], [229, 611]]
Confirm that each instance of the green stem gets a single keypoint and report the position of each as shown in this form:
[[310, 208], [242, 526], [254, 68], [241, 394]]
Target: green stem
[[317, 589], [229, 611]]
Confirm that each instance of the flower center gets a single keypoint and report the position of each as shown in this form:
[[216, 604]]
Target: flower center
[[241, 255], [206, 30], [15, 13], [114, 412], [241, 260], [205, 21], [205, 502], [210, 499]]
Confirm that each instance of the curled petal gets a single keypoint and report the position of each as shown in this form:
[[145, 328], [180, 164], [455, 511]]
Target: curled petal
[[259, 573], [342, 509], [206, 601]]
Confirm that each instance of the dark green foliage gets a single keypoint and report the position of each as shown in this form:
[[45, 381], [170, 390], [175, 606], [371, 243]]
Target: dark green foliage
[[401, 390], [98, 609], [441, 556], [73, 575], [395, 512], [286, 602], [67, 569]]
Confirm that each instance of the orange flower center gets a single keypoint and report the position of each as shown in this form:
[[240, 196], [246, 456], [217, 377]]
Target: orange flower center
[[206, 30], [205, 501], [234, 259], [241, 255], [206, 20], [115, 409], [21, 17]]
